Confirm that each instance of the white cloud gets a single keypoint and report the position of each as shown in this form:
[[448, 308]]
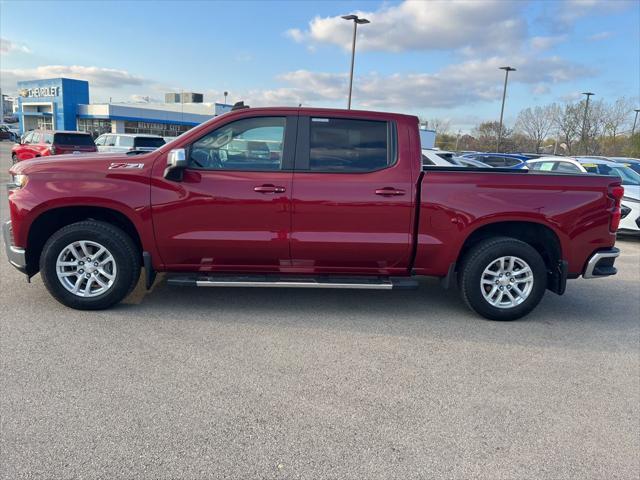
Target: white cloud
[[600, 36], [108, 78], [563, 15], [7, 46], [540, 89], [481, 25], [465, 83], [544, 43]]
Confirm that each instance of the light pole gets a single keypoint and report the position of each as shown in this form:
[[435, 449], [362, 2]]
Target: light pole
[[356, 21], [504, 95], [225, 97], [635, 120], [584, 121]]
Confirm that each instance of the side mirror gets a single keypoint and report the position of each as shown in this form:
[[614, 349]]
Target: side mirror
[[176, 163]]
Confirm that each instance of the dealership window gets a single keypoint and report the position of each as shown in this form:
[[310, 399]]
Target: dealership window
[[95, 126], [154, 128], [45, 123]]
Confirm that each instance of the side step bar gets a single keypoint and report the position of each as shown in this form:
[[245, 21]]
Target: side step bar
[[279, 281]]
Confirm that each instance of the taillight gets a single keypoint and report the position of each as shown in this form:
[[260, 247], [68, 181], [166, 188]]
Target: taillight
[[52, 149], [616, 192]]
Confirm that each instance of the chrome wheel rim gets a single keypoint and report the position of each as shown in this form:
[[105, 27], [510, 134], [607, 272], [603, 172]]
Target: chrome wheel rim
[[86, 268], [506, 282]]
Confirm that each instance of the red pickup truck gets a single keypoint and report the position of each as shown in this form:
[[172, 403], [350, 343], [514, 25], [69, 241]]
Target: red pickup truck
[[303, 197]]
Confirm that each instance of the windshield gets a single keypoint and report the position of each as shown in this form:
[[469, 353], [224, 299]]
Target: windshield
[[82, 139], [628, 176]]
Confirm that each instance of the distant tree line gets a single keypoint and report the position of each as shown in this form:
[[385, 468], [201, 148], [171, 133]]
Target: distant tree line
[[562, 129]]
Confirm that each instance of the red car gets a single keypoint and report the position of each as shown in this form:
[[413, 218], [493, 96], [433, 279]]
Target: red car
[[40, 143], [341, 201]]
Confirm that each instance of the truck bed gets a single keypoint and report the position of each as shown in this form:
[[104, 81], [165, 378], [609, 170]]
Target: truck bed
[[456, 202]]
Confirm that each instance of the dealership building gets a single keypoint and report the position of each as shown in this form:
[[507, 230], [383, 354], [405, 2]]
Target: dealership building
[[63, 104]]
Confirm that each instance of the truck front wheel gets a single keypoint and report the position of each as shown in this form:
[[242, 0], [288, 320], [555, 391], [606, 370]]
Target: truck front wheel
[[503, 278], [90, 265]]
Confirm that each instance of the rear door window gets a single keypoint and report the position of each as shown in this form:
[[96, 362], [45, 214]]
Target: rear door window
[[348, 146], [76, 139], [544, 166], [125, 142], [566, 167], [148, 142], [35, 138]]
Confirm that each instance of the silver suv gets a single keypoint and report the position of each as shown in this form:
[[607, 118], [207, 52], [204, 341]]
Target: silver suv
[[127, 142]]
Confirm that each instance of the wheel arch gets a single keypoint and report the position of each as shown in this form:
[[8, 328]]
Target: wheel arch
[[54, 219], [540, 236]]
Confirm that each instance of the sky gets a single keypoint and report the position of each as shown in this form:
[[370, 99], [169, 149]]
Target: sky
[[436, 59]]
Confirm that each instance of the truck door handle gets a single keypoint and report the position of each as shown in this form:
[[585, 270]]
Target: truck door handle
[[268, 188], [389, 192]]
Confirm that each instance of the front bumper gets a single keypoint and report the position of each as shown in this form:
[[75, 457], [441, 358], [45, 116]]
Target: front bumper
[[17, 256], [601, 264]]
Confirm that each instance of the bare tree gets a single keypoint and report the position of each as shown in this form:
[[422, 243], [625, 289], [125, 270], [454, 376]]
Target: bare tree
[[535, 124], [617, 117], [568, 121], [441, 126], [486, 135], [594, 127]]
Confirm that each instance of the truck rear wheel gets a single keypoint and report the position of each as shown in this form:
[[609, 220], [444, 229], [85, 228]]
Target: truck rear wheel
[[90, 265], [503, 278]]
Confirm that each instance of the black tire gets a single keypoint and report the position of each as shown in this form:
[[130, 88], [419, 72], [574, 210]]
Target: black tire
[[118, 243], [480, 257]]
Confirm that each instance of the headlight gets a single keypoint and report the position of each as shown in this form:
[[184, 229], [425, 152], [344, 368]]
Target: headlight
[[19, 180]]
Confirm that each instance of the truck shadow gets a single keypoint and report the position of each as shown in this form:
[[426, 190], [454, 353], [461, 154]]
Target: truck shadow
[[427, 312]]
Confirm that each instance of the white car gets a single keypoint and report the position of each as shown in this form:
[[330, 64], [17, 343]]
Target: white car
[[439, 158], [630, 222], [127, 142], [556, 164]]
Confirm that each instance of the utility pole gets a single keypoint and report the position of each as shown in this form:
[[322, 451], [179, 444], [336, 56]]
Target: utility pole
[[584, 122], [504, 95], [635, 120], [457, 140], [356, 21]]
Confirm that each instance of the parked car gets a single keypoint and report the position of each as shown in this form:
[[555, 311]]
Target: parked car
[[632, 163], [470, 162], [630, 204], [500, 160], [41, 143], [127, 142], [556, 164], [6, 133], [347, 204], [439, 158]]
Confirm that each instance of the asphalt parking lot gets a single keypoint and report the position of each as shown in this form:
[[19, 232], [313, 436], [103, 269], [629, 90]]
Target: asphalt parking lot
[[252, 383]]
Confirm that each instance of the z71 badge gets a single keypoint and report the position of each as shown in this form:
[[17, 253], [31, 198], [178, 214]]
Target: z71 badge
[[127, 166]]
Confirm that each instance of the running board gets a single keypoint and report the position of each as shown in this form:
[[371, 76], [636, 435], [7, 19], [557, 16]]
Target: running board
[[278, 281]]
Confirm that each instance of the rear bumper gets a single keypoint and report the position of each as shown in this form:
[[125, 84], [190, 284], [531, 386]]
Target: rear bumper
[[601, 264], [16, 255]]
